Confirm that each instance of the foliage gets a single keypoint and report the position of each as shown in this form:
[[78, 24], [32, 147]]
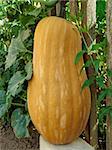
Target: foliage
[[20, 122], [18, 19]]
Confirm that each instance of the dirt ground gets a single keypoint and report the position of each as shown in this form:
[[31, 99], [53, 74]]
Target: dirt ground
[[8, 141]]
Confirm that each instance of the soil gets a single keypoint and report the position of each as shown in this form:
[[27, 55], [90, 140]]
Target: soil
[[8, 141]]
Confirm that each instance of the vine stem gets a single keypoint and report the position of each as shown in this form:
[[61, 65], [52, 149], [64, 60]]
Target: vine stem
[[90, 37], [17, 104], [87, 45], [23, 98], [30, 52]]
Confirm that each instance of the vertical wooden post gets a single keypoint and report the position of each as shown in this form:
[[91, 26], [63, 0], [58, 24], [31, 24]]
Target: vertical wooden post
[[58, 9], [89, 12], [73, 7], [109, 61], [62, 11], [84, 22], [53, 11]]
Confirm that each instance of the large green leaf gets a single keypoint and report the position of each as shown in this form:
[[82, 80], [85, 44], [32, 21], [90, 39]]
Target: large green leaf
[[15, 48], [28, 69], [20, 122], [15, 83], [5, 102]]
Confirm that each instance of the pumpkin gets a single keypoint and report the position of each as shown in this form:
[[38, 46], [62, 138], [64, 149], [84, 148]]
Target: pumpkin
[[56, 105]]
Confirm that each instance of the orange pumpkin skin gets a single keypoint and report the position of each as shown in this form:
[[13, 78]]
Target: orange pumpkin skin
[[57, 108]]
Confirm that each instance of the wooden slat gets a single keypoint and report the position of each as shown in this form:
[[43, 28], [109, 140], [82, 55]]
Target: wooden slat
[[73, 7], [87, 6], [62, 6], [58, 9], [109, 61]]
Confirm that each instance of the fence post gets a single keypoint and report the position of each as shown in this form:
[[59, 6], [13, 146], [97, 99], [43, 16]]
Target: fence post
[[89, 11], [109, 62], [73, 7]]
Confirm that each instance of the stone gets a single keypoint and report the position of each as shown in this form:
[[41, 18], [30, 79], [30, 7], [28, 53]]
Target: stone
[[78, 144]]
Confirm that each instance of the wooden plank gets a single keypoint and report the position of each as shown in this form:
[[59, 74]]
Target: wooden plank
[[109, 61], [89, 11], [62, 6], [73, 7]]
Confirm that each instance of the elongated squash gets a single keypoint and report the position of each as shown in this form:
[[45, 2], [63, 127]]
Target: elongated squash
[[57, 108]]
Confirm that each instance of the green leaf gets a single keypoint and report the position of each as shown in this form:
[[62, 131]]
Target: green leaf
[[101, 8], [28, 69], [96, 64], [35, 12], [27, 20], [100, 81], [102, 95], [19, 123], [24, 34], [104, 111], [111, 113], [15, 83], [96, 46], [84, 29], [87, 83], [3, 108], [5, 103], [87, 64], [15, 47], [109, 73], [78, 56], [109, 92]]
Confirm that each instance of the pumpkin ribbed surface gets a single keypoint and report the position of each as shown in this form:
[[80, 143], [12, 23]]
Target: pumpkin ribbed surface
[[57, 108]]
